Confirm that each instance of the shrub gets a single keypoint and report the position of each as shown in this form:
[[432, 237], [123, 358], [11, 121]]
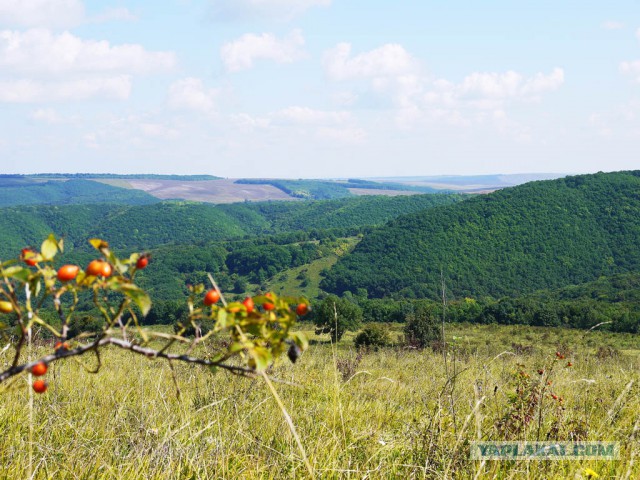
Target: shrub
[[423, 327], [373, 335], [335, 316]]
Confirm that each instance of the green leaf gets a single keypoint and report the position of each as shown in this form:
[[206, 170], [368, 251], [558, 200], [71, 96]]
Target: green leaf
[[300, 340], [222, 318], [139, 296], [18, 272], [262, 357], [49, 248]]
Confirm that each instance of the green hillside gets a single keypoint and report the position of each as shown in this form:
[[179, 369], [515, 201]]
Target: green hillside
[[194, 224], [341, 213], [17, 191], [544, 234]]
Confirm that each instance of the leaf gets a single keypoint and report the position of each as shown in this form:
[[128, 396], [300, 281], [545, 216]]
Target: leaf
[[18, 272], [262, 357], [49, 248], [98, 244], [300, 340], [139, 296], [39, 321], [222, 319]]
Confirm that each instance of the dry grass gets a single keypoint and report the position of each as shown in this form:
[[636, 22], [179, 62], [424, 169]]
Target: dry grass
[[397, 416]]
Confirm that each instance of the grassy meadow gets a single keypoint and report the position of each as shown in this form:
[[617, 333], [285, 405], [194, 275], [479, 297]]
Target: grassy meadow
[[392, 413]]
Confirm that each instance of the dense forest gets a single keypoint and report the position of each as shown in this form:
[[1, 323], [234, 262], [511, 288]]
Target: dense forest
[[149, 226], [545, 253], [25, 191], [544, 234]]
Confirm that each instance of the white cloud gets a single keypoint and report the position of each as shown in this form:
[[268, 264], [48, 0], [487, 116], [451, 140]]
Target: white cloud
[[232, 10], [388, 60], [308, 116], [240, 54], [113, 14], [39, 51], [159, 130], [46, 115], [631, 68], [28, 91], [349, 136], [510, 84], [612, 25], [190, 94], [41, 13]]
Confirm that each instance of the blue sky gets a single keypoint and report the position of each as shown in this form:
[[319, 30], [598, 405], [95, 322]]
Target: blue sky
[[319, 88]]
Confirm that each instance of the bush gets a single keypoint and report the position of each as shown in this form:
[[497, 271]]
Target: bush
[[335, 316], [423, 327], [373, 335]]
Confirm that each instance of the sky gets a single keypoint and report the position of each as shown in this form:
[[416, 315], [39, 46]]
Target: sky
[[319, 88]]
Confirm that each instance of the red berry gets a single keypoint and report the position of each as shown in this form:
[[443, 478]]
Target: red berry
[[268, 306], [248, 303], [302, 309], [67, 272], [40, 386], [142, 262], [28, 255], [211, 297], [39, 369]]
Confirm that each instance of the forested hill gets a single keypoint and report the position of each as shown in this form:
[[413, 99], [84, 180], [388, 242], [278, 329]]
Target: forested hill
[[148, 226], [20, 190], [544, 234]]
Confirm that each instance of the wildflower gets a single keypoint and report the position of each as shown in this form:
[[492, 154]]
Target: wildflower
[[590, 473]]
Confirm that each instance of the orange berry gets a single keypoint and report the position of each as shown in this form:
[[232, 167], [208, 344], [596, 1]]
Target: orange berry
[[39, 369], [40, 386], [302, 309], [211, 297], [248, 303], [67, 272]]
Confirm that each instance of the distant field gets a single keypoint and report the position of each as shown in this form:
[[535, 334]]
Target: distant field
[[212, 191], [386, 193]]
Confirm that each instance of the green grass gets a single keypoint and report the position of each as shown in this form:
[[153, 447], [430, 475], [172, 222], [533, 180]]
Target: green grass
[[390, 414], [305, 279]]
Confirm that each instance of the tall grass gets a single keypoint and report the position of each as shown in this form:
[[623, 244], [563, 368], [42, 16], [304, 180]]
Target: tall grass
[[395, 414]]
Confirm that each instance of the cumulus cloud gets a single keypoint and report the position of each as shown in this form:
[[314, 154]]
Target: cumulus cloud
[[308, 116], [509, 84], [27, 91], [39, 51], [41, 13], [190, 94], [388, 60], [55, 14], [233, 10], [241, 54], [46, 115], [631, 68], [612, 25]]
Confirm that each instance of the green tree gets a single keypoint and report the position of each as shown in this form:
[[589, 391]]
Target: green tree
[[373, 335], [335, 316], [423, 326]]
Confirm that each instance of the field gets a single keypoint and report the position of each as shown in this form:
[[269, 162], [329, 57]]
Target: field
[[394, 413], [212, 191]]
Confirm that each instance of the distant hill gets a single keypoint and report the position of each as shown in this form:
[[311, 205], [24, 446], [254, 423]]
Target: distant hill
[[15, 190], [544, 234], [148, 226]]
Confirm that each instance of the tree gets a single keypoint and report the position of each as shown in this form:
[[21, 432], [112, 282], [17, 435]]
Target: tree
[[335, 316], [373, 335], [423, 326]]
